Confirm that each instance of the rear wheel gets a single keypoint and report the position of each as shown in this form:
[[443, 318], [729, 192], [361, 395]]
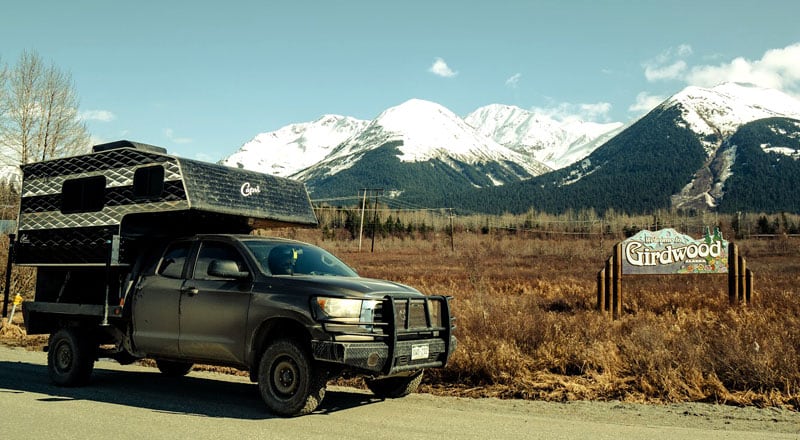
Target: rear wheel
[[173, 368], [70, 357], [394, 387], [290, 383]]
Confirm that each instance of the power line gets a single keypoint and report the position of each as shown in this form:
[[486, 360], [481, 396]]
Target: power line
[[334, 199]]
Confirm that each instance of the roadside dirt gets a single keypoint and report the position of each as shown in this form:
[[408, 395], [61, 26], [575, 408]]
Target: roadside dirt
[[612, 419], [206, 405]]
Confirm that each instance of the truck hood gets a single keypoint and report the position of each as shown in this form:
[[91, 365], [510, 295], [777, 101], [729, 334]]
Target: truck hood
[[345, 286]]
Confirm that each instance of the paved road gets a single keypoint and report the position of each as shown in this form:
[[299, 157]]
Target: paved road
[[134, 402]]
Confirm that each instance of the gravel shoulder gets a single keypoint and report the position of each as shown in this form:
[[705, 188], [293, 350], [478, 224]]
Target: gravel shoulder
[[138, 402]]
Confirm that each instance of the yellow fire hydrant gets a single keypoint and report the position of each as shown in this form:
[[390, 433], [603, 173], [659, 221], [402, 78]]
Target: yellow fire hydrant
[[17, 302]]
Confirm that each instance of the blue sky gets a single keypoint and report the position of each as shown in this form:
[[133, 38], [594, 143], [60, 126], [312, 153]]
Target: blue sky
[[202, 78]]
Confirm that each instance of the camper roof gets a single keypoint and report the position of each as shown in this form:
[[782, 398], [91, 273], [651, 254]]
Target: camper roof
[[131, 190]]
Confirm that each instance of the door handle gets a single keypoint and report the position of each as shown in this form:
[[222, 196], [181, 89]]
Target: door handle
[[191, 291]]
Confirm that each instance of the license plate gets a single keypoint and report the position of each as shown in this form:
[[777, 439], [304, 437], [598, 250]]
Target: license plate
[[419, 352]]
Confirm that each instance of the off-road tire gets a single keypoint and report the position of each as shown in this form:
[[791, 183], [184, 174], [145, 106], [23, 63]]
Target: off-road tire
[[70, 357], [173, 368], [395, 387], [289, 381]]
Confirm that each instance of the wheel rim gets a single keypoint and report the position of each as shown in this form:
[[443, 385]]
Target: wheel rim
[[285, 375], [63, 357]]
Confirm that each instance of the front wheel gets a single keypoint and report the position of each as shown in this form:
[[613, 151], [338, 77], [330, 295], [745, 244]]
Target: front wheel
[[70, 357], [290, 383], [394, 387]]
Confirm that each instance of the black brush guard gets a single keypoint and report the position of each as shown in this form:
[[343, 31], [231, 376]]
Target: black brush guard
[[405, 334]]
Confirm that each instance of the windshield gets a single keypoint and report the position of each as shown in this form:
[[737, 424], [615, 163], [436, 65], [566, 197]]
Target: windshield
[[280, 258]]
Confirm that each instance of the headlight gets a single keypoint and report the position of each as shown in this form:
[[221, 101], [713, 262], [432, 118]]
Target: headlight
[[340, 308], [361, 310]]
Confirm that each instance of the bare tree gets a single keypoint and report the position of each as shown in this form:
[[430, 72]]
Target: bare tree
[[39, 117], [3, 74]]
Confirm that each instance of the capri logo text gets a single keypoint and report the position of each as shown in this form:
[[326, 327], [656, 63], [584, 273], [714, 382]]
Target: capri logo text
[[248, 190]]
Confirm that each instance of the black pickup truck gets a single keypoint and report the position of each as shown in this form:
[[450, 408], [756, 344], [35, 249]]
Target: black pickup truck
[[141, 254], [290, 313]]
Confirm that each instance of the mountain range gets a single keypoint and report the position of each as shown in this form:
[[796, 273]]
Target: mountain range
[[429, 131], [733, 147], [687, 153]]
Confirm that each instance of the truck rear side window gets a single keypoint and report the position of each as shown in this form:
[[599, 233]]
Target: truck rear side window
[[86, 194], [174, 260]]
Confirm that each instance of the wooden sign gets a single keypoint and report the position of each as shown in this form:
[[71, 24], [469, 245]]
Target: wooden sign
[[668, 252]]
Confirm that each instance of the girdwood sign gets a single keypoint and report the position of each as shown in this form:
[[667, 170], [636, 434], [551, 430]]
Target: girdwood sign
[[670, 252]]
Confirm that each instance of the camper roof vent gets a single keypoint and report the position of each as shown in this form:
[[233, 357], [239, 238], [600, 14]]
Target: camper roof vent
[[128, 144]]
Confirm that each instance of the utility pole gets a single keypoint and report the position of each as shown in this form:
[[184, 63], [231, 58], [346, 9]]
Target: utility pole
[[375, 218], [378, 191], [361, 229], [452, 244]]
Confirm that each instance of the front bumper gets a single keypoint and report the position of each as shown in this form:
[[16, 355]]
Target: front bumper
[[379, 357]]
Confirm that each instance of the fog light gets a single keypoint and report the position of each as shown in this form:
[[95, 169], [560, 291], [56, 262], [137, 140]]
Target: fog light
[[373, 359]]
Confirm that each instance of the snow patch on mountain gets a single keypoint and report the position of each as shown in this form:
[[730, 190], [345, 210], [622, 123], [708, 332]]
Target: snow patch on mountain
[[295, 147], [431, 131], [555, 143], [10, 175], [793, 150]]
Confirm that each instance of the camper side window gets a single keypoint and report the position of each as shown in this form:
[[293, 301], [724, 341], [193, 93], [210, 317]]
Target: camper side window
[[87, 194], [148, 182]]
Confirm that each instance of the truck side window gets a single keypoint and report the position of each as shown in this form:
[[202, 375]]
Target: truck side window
[[174, 260], [210, 251]]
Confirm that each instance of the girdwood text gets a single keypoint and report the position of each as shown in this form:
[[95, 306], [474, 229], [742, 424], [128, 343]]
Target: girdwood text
[[638, 254]]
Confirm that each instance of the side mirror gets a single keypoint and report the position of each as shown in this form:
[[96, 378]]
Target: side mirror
[[226, 269]]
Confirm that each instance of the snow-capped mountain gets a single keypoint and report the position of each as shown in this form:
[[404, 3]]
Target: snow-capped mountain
[[688, 153], [714, 115], [295, 147], [555, 143], [718, 112], [424, 131], [711, 116]]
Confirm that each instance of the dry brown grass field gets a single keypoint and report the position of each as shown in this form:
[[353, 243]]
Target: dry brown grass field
[[528, 326]]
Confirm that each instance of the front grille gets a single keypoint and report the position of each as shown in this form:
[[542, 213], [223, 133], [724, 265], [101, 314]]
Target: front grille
[[418, 314]]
